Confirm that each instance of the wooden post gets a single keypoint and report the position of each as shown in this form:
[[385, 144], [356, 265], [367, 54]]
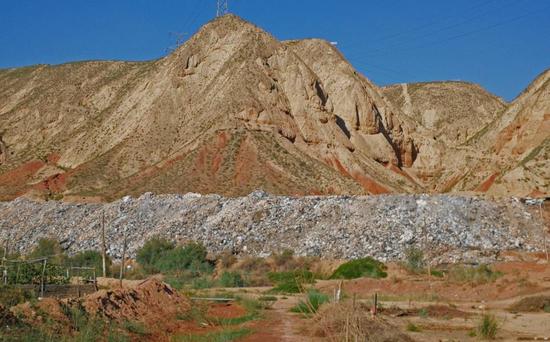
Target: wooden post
[[42, 280], [103, 246], [544, 232], [123, 261], [375, 310], [5, 265]]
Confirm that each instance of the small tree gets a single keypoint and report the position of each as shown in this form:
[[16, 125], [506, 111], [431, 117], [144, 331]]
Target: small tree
[[152, 251]]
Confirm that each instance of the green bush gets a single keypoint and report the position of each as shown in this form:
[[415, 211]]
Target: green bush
[[203, 282], [191, 257], [10, 296], [152, 251], [90, 259], [232, 279], [135, 327], [50, 248], [480, 275], [414, 260], [290, 282], [366, 267], [488, 327], [314, 299], [412, 327]]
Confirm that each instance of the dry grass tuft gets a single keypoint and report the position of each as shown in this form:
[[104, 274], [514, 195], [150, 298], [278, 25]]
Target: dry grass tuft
[[346, 322]]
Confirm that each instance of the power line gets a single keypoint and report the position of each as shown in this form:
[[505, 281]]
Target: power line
[[464, 34]]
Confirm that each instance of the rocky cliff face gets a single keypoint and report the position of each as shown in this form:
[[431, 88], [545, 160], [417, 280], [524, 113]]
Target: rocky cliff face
[[515, 147], [453, 111], [451, 228]]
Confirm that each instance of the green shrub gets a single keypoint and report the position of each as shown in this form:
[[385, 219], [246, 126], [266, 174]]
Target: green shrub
[[290, 282], [488, 327], [10, 296], [314, 299], [191, 257], [90, 259], [412, 327], [423, 313], [135, 327], [414, 260], [437, 273], [366, 267], [232, 279], [151, 252], [50, 248], [203, 282], [479, 275]]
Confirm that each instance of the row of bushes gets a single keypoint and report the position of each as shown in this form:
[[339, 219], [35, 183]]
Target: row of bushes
[[188, 265]]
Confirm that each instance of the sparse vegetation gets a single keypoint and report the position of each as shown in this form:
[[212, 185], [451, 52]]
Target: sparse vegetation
[[10, 296], [290, 281], [412, 327], [314, 300], [488, 327], [366, 267], [414, 260], [478, 275]]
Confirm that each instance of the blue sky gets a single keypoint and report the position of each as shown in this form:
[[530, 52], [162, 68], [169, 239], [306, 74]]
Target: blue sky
[[501, 44]]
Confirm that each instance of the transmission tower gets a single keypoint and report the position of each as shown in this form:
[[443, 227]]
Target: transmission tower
[[223, 8]]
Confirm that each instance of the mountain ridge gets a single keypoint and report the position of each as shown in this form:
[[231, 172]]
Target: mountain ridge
[[229, 111]]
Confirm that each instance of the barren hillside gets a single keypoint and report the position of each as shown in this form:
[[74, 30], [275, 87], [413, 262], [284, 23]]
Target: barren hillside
[[233, 110], [453, 110]]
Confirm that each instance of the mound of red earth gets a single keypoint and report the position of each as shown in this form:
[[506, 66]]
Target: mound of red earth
[[150, 301]]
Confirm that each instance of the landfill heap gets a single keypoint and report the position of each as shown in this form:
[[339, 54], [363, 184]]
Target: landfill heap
[[448, 228]]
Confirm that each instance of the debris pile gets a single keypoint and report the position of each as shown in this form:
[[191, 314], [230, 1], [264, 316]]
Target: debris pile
[[450, 228]]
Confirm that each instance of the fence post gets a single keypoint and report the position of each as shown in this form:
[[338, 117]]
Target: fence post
[[42, 281], [123, 261], [5, 265]]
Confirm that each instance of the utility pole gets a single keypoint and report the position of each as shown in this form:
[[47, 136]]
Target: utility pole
[[123, 261], [103, 246], [222, 8], [544, 231]]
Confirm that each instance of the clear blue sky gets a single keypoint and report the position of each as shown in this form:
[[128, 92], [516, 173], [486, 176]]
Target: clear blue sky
[[501, 44]]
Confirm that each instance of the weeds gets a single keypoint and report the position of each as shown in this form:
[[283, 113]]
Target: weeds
[[478, 275], [290, 282], [488, 327], [135, 327], [413, 328], [314, 299]]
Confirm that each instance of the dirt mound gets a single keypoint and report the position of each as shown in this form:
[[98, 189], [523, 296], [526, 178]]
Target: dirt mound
[[150, 301], [532, 304]]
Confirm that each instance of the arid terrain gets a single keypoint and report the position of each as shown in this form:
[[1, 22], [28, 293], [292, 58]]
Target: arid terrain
[[243, 188], [233, 110]]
